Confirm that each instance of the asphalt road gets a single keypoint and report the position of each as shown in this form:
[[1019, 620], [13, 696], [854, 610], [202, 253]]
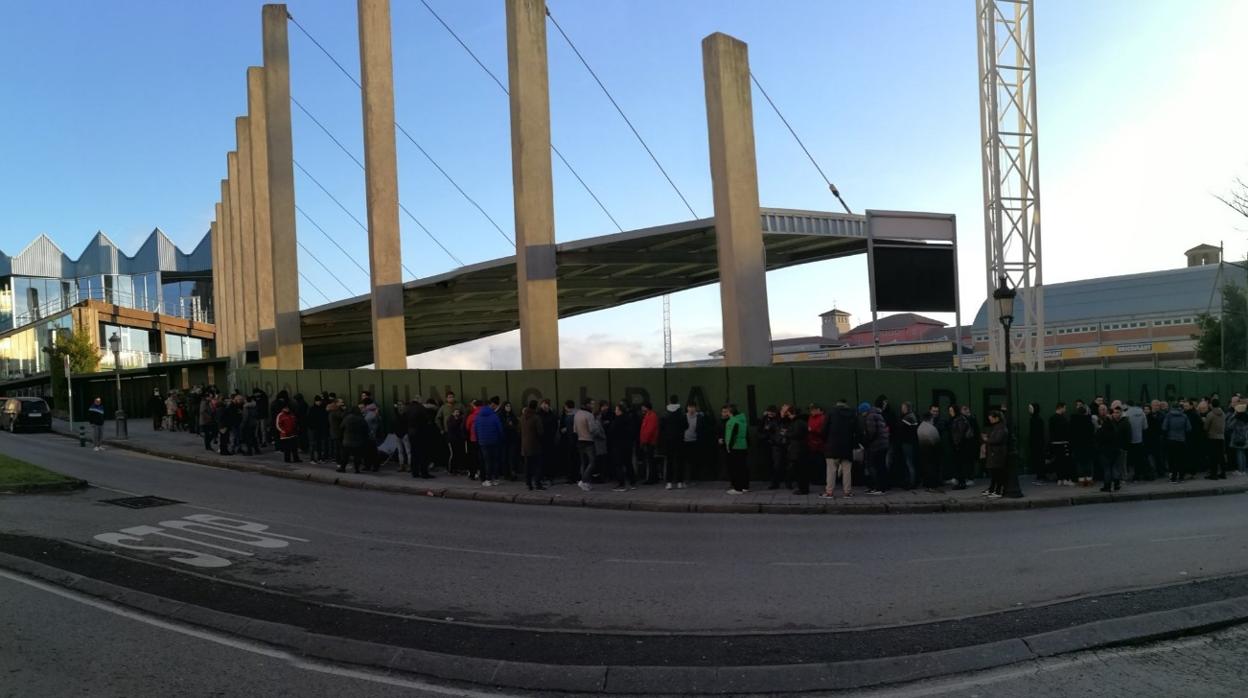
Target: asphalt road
[[547, 567], [57, 643], [1208, 666]]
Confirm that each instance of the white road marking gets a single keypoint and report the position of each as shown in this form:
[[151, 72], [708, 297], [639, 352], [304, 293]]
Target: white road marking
[[246, 526], [244, 645], [653, 562], [140, 531], [1078, 547], [194, 557], [1179, 538], [951, 558], [404, 543], [813, 564]]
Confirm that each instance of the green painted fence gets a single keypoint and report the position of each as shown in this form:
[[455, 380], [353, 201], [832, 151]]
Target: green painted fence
[[753, 389]]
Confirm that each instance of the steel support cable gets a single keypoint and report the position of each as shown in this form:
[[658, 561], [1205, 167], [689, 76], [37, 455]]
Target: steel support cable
[[401, 206], [314, 287], [322, 264], [507, 92], [409, 137], [623, 116], [365, 228], [831, 186]]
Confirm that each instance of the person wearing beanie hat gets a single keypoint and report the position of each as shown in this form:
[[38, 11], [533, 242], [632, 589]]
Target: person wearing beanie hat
[[864, 407]]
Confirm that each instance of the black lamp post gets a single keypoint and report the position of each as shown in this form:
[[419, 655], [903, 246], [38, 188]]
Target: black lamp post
[[114, 344], [1004, 298]]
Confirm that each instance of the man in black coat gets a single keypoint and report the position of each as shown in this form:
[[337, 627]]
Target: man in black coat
[[840, 439], [156, 408], [416, 419], [1059, 445]]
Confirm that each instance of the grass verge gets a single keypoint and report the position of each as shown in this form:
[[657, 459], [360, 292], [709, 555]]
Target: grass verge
[[20, 476]]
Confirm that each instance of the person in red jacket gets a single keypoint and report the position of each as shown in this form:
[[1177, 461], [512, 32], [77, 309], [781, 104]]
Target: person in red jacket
[[287, 433], [649, 440], [816, 436], [474, 452]]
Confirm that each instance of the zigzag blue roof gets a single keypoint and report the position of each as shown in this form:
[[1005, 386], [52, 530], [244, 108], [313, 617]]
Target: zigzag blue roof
[[42, 257]]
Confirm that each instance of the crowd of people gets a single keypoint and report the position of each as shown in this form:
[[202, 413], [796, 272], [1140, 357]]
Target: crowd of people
[[490, 441]]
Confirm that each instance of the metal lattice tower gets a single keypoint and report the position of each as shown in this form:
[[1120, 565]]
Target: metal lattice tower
[[667, 330], [1008, 128]]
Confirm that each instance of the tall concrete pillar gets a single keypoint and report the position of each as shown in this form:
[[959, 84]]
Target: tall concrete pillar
[[381, 179], [531, 183], [738, 223], [247, 234], [227, 312], [263, 247], [218, 285], [287, 330], [236, 258]]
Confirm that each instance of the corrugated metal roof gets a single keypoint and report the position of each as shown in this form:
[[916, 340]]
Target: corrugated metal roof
[[42, 257], [1174, 291]]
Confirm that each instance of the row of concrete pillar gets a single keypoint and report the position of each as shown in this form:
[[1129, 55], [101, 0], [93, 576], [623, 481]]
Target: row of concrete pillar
[[254, 247], [255, 262]]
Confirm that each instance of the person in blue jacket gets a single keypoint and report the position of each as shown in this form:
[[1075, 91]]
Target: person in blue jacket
[[490, 440]]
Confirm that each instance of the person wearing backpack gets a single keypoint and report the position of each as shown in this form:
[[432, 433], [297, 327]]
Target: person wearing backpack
[[928, 435]]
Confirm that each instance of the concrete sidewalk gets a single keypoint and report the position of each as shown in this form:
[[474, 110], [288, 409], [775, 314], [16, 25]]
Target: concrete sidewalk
[[700, 497]]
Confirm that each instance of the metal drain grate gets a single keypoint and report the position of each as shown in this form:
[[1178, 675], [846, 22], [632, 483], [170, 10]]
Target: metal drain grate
[[141, 502]]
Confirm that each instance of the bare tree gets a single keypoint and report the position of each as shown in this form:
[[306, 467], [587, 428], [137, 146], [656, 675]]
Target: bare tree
[[1237, 199]]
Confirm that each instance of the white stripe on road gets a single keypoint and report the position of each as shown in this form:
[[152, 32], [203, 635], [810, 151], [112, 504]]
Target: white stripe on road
[[1179, 538], [952, 558], [243, 645], [653, 562], [1078, 547], [199, 542], [813, 564]]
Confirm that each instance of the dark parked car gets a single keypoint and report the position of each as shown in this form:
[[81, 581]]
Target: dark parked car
[[25, 413]]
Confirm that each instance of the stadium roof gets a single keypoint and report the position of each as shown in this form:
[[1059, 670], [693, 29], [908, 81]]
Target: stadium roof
[[1168, 292], [479, 300]]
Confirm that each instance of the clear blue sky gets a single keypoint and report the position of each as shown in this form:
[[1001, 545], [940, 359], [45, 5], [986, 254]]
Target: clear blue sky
[[118, 115]]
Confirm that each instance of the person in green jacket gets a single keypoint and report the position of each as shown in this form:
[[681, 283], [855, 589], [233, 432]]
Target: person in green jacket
[[736, 443]]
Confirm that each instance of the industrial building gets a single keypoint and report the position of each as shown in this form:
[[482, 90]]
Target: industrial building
[[1147, 320]]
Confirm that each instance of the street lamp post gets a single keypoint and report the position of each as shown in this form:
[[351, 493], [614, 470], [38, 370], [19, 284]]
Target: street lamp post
[[114, 343], [1004, 298]]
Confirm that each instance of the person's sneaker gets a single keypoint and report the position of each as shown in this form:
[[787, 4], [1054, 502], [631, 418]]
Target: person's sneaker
[[620, 489], [848, 493], [668, 486], [994, 495], [632, 487], [875, 492], [735, 491], [826, 495], [680, 485], [585, 486]]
